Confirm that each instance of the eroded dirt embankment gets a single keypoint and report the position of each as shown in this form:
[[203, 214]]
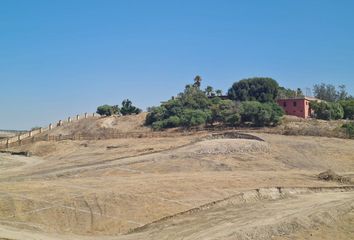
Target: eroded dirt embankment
[[255, 214]]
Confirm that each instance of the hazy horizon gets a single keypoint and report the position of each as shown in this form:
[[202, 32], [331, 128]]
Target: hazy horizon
[[59, 59]]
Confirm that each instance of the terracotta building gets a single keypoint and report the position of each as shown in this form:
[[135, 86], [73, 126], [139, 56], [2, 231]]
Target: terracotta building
[[298, 106]]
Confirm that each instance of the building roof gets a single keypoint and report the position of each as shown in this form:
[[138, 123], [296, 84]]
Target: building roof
[[300, 98]]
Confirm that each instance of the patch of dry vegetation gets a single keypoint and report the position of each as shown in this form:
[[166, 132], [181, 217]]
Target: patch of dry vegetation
[[295, 126], [330, 175]]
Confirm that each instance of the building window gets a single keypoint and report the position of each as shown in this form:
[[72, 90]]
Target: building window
[[294, 104], [284, 104]]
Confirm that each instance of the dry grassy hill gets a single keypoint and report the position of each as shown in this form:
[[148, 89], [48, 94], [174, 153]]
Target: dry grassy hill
[[197, 186], [100, 126]]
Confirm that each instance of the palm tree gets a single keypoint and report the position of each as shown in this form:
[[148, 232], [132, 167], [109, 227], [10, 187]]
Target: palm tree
[[197, 81], [218, 92], [209, 90]]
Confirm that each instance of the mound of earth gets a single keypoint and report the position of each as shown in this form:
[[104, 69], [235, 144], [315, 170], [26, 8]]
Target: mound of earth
[[229, 146]]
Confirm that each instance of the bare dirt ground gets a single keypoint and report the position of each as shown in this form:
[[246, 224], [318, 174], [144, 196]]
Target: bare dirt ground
[[127, 188]]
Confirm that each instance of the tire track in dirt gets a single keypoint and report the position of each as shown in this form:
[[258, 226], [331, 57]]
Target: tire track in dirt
[[251, 196], [70, 170]]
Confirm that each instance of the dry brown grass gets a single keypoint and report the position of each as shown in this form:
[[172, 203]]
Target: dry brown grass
[[308, 127], [102, 188], [330, 175]]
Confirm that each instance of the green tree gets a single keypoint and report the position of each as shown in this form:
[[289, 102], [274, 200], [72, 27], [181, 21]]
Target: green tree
[[299, 92], [197, 81], [107, 110], [192, 107], [219, 108], [260, 114], [254, 89], [327, 110], [194, 117], [326, 92], [189, 108], [209, 90], [285, 93], [155, 114], [349, 129], [342, 93], [348, 108], [218, 92], [128, 108]]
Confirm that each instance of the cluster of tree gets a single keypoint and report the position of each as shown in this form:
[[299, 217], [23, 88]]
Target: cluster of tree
[[126, 109], [330, 93], [209, 91], [194, 107], [336, 104]]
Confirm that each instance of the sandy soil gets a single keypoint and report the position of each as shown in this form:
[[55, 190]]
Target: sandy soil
[[106, 189], [95, 126], [342, 229]]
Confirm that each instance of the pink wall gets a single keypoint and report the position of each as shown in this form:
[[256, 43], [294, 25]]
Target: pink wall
[[296, 107]]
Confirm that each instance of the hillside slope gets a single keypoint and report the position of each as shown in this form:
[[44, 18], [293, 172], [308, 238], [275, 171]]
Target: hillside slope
[[100, 126], [172, 187]]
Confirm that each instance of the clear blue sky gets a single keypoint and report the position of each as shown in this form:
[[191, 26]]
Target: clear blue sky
[[59, 58]]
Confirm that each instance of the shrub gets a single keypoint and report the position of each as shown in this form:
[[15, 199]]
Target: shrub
[[330, 175], [190, 108], [349, 129], [128, 108], [158, 125], [260, 114], [107, 110], [348, 108], [224, 111], [194, 117], [172, 121], [155, 114], [327, 110]]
